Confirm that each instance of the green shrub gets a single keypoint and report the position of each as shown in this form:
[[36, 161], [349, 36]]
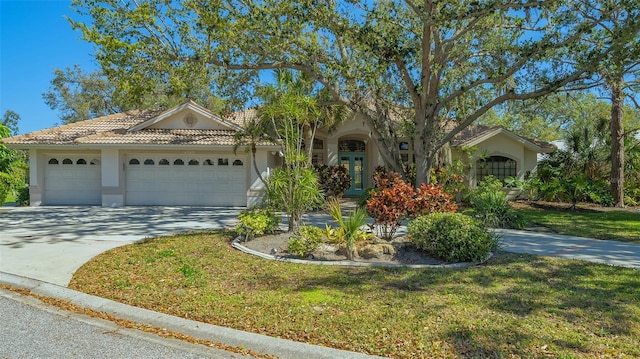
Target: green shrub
[[256, 221], [490, 205], [333, 180], [5, 187], [453, 237], [305, 240], [23, 196]]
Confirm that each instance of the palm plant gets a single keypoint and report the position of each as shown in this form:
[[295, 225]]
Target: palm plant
[[349, 227]]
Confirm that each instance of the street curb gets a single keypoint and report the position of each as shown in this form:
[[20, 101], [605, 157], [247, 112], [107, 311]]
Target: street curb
[[256, 342]]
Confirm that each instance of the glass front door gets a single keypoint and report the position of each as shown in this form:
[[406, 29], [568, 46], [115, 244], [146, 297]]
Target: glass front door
[[355, 164]]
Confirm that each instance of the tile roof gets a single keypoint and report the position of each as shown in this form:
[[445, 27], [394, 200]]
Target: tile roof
[[75, 132], [114, 129], [242, 117], [472, 132]]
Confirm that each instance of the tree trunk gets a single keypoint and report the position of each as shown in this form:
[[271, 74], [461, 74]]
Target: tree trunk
[[308, 142], [617, 144]]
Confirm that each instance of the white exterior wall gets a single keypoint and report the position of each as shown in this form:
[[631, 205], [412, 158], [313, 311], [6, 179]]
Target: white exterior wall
[[36, 177], [530, 162], [255, 192], [112, 183]]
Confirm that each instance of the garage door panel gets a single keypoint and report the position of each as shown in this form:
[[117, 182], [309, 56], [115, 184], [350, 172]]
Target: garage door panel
[[72, 184], [201, 183]]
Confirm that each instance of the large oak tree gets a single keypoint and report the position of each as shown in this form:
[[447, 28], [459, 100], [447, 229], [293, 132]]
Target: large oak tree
[[429, 67]]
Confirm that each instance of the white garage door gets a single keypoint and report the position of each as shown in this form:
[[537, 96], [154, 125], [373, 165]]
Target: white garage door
[[217, 180], [72, 181]]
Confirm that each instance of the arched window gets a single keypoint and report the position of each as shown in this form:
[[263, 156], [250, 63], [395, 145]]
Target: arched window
[[94, 162], [223, 161], [53, 161], [134, 161], [352, 146], [178, 162], [193, 163], [67, 161], [81, 161], [237, 163], [498, 166], [207, 163], [149, 161], [164, 162]]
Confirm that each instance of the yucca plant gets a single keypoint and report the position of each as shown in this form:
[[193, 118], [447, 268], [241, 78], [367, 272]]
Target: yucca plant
[[349, 226]]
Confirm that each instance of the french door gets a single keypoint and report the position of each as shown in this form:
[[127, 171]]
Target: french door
[[355, 164]]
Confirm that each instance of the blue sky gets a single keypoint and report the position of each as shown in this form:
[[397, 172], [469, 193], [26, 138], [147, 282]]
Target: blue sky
[[35, 39]]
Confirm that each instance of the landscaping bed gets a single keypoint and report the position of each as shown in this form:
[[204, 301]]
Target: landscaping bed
[[399, 251]]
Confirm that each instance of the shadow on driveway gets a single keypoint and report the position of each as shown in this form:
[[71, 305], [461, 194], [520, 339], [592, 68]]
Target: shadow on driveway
[[51, 243]]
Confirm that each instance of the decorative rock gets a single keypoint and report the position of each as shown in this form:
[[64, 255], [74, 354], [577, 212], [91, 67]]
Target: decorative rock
[[376, 250]]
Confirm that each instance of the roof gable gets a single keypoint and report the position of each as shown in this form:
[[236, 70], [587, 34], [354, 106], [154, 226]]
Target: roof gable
[[479, 134], [188, 116]]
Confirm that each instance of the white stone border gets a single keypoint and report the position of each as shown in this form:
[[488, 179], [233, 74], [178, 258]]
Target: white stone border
[[236, 244]]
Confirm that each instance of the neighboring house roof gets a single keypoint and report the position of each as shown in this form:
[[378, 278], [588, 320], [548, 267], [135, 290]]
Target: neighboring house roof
[[474, 135], [134, 128], [242, 117]]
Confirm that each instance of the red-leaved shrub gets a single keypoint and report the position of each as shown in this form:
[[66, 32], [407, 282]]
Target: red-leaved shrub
[[393, 200]]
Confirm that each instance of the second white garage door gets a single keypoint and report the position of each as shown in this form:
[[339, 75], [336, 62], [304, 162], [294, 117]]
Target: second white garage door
[[217, 180]]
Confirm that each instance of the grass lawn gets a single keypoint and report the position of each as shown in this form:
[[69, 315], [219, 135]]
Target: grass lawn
[[619, 225], [512, 306]]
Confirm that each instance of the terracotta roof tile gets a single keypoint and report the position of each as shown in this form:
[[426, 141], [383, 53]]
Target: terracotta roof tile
[[151, 136], [73, 133], [114, 129], [242, 117]]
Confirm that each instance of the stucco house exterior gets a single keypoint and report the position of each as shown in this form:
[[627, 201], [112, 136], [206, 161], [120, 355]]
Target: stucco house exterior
[[185, 156]]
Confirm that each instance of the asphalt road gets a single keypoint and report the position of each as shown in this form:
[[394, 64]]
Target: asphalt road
[[31, 329]]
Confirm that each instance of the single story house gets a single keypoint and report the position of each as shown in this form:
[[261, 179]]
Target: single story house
[[185, 157]]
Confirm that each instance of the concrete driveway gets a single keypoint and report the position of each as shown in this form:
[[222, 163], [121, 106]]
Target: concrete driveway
[[51, 243]]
